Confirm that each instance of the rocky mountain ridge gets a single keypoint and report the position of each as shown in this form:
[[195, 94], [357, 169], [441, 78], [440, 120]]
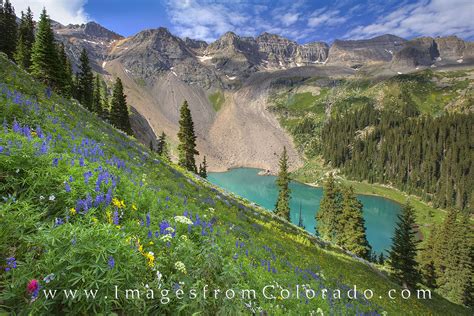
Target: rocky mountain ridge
[[160, 70]]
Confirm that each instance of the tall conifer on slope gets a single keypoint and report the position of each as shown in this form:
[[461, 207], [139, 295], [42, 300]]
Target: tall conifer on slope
[[26, 38], [427, 259], [45, 62], [162, 146], [187, 139], [97, 106], [67, 84], [329, 210], [85, 84], [403, 251], [8, 29], [351, 233], [455, 281], [282, 206], [119, 110], [203, 168]]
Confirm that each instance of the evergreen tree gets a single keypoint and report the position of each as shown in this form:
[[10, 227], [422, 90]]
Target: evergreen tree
[[300, 220], [328, 215], [26, 38], [427, 260], [97, 105], [203, 168], [351, 233], [162, 146], [8, 29], [45, 62], [455, 281], [381, 258], [105, 113], [282, 206], [119, 110], [187, 140], [403, 251], [67, 85], [85, 84]]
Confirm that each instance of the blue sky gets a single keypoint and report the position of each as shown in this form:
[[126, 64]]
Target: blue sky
[[300, 20]]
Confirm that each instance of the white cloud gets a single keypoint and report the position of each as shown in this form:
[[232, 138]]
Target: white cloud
[[63, 11], [430, 18], [209, 19], [289, 18], [326, 17]]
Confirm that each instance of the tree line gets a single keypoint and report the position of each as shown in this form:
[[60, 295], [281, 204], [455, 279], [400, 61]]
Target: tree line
[[423, 155]]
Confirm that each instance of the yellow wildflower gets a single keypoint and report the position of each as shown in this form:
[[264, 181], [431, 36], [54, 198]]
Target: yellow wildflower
[[150, 256], [134, 208], [72, 211], [95, 220], [33, 133], [151, 243], [109, 216]]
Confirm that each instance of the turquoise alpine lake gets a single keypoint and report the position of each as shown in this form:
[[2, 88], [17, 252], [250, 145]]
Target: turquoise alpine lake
[[380, 214]]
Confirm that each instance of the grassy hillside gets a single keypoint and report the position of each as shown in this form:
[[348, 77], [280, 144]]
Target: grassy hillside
[[305, 104], [84, 207]]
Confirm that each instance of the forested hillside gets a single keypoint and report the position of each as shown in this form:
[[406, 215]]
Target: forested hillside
[[410, 131]]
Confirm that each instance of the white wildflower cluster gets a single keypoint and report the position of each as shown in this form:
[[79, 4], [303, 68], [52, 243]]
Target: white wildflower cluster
[[180, 267], [211, 210], [183, 220], [166, 238], [169, 230], [183, 238]]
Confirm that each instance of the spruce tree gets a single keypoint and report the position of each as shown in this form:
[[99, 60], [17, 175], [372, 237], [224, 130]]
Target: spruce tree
[[119, 110], [85, 84], [67, 85], [403, 251], [26, 38], [187, 140], [282, 205], [8, 29], [203, 168], [300, 220], [105, 113], [162, 146], [97, 98], [427, 260], [351, 233], [455, 280], [329, 210], [45, 62]]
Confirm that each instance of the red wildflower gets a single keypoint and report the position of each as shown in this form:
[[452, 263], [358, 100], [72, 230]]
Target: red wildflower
[[32, 286]]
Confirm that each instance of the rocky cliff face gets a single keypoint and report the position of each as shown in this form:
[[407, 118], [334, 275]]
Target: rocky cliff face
[[96, 39], [428, 51], [356, 52]]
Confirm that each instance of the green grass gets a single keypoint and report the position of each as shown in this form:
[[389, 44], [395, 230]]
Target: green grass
[[217, 99], [53, 154]]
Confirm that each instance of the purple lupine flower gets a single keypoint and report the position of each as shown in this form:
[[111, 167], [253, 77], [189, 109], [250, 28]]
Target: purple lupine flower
[[116, 218], [111, 262], [55, 162], [148, 220], [81, 162], [58, 221], [11, 264], [67, 187], [150, 234], [71, 179]]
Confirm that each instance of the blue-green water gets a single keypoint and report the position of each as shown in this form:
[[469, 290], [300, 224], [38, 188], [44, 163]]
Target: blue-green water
[[380, 214]]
